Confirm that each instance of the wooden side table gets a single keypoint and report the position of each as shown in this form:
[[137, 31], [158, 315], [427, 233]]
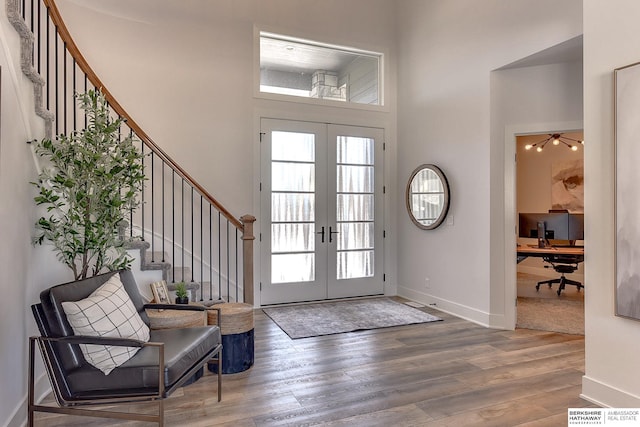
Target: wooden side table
[[168, 319], [236, 327]]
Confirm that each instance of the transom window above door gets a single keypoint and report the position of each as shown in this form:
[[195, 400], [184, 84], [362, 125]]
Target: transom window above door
[[297, 67]]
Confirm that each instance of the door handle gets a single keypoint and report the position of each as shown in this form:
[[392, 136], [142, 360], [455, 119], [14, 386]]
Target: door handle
[[322, 233], [331, 233]]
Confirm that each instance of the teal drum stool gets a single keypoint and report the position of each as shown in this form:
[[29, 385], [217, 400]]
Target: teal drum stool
[[236, 327]]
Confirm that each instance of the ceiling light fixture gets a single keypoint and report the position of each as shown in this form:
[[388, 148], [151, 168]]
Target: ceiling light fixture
[[556, 139]]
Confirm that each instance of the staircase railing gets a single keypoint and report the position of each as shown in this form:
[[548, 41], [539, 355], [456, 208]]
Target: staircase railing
[[179, 223]]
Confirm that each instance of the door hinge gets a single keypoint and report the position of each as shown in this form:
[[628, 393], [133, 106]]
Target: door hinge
[[384, 277], [260, 239], [260, 286], [260, 186], [384, 234], [384, 146], [384, 189]]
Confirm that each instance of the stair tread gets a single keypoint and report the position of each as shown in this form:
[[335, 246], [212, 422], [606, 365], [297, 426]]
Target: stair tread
[[158, 265], [156, 256], [136, 244]]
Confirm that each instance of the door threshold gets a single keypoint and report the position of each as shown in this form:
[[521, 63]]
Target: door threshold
[[286, 304]]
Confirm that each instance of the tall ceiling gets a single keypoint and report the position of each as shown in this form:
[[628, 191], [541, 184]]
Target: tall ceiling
[[568, 51]]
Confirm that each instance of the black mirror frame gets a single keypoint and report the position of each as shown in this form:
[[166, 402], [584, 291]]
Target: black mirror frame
[[445, 186]]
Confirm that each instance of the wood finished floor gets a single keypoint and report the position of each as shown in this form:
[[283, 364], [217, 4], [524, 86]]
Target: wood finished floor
[[450, 373]]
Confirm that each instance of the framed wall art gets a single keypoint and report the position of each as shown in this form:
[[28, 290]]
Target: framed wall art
[[567, 185], [627, 193], [160, 292]]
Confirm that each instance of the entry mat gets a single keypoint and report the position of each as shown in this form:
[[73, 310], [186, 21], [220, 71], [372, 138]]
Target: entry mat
[[326, 318]]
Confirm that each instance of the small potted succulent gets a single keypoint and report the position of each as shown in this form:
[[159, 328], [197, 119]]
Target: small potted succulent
[[182, 297]]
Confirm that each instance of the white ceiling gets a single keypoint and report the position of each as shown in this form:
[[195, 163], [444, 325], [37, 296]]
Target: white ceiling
[[155, 12], [569, 51], [291, 56]]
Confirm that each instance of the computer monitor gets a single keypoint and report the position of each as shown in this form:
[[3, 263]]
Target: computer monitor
[[576, 227], [544, 226]]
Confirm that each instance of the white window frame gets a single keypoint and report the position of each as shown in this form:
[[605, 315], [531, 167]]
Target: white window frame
[[382, 73]]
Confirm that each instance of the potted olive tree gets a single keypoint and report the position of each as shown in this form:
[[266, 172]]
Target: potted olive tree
[[89, 183]]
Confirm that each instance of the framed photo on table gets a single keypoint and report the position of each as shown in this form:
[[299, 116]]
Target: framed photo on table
[[160, 292], [627, 191]]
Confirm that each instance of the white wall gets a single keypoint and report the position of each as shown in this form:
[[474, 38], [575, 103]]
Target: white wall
[[447, 51], [534, 99], [185, 71], [24, 270], [610, 39]]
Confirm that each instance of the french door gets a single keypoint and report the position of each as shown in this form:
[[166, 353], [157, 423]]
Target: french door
[[322, 211]]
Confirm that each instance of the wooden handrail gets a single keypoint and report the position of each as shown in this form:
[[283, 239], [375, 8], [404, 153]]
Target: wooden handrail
[[73, 50]]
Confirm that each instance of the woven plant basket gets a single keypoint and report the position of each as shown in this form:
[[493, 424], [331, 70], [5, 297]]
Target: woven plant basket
[[168, 319], [235, 318]]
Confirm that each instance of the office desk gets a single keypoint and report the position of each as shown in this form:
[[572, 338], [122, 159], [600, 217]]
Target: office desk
[[525, 251]]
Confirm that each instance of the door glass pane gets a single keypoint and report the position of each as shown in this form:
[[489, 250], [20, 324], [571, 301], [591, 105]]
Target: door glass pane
[[352, 265], [355, 207], [293, 146], [355, 179], [292, 207], [292, 176], [355, 150], [292, 237], [287, 268], [355, 235]]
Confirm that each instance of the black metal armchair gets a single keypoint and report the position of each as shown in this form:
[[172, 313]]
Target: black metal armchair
[[167, 361]]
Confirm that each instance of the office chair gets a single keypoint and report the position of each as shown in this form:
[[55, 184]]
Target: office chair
[[563, 264]]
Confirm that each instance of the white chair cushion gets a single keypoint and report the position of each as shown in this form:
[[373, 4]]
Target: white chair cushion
[[107, 312]]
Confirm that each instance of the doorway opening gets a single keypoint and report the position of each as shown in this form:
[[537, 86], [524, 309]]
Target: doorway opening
[[550, 178]]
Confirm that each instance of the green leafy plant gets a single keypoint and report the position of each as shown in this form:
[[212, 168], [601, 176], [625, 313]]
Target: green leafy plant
[[89, 186], [181, 290]]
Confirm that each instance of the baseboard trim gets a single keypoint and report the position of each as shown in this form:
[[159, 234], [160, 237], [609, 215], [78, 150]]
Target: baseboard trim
[[459, 310], [606, 395], [42, 388], [18, 418], [499, 321]]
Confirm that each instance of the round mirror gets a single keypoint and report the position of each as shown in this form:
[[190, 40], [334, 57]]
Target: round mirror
[[427, 197]]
